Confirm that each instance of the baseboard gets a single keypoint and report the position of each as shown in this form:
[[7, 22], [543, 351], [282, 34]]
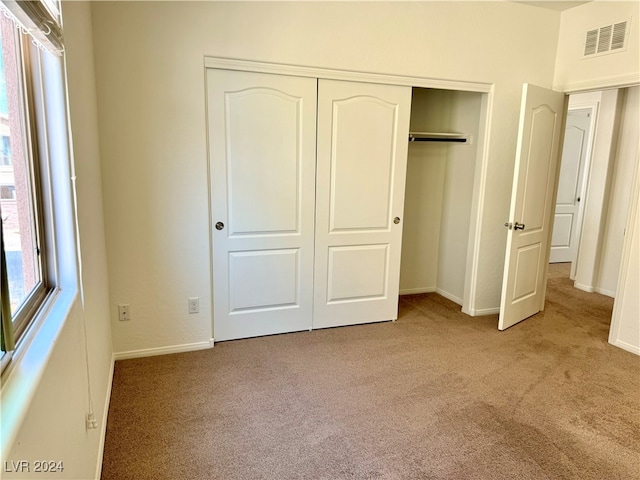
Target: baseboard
[[584, 288], [589, 289], [413, 291], [105, 415], [603, 291], [150, 352], [480, 312], [449, 296], [626, 346]]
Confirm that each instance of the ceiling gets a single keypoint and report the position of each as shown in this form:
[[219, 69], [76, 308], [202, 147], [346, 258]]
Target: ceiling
[[553, 5]]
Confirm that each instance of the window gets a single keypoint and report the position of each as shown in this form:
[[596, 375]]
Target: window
[[7, 192], [25, 281], [5, 148]]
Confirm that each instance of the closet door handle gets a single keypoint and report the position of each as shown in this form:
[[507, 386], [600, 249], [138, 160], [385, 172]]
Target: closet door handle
[[396, 220], [518, 226], [219, 226]]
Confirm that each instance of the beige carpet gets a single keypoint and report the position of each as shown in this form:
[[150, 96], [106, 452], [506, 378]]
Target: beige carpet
[[434, 395]]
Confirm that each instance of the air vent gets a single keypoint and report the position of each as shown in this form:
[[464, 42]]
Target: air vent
[[607, 39], [604, 39], [619, 36], [591, 44]]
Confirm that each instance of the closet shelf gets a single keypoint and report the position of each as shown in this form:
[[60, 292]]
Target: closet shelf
[[438, 137]]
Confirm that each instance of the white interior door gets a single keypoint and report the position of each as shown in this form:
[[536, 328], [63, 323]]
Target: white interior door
[[362, 157], [532, 201], [566, 223], [262, 131]]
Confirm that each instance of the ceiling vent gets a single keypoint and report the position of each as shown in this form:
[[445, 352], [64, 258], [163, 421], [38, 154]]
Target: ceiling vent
[[607, 39]]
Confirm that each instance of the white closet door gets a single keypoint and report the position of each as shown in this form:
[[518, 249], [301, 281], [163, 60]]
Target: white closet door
[[362, 157], [262, 131]]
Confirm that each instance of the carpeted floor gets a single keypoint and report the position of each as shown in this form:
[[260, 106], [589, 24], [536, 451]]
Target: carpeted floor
[[434, 395]]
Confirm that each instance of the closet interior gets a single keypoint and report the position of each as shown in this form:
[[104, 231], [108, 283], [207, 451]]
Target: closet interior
[[442, 159]]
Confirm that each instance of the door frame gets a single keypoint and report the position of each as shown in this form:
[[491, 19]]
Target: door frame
[[482, 159], [627, 247], [594, 107], [617, 82]]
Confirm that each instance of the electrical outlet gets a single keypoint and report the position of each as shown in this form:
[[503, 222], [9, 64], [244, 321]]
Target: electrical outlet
[[92, 423], [194, 305], [124, 312]]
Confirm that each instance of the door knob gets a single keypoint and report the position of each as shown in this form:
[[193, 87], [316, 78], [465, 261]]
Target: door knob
[[396, 220], [219, 226], [518, 226]]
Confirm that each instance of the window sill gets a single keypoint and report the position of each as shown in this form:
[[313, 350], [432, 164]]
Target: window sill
[[20, 379]]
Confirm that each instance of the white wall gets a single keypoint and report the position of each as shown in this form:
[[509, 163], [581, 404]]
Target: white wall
[[625, 323], [598, 187], [457, 197], [426, 168], [573, 72], [54, 427], [149, 61], [620, 193]]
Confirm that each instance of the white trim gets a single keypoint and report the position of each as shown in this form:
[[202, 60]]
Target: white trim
[[584, 288], [625, 346], [604, 291], [414, 291], [632, 215], [209, 209], [105, 414], [481, 311], [619, 81], [477, 204], [449, 296], [346, 75], [151, 352]]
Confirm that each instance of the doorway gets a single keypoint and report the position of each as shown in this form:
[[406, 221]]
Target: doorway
[[442, 168], [595, 182], [606, 194]]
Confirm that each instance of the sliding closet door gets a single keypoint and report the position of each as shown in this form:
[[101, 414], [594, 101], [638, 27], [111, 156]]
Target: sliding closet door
[[262, 136], [362, 156]]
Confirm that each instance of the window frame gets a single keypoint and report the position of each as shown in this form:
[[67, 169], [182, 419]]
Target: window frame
[[33, 120]]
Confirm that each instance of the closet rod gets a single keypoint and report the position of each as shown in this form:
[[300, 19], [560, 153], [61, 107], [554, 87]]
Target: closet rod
[[438, 137]]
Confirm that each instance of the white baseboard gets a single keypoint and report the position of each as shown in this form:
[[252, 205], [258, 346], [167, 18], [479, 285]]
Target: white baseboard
[[479, 312], [150, 352], [606, 292], [105, 414], [590, 289], [626, 346], [413, 291], [449, 296], [584, 288]]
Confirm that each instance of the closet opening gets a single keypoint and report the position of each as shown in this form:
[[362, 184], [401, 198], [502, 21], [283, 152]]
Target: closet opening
[[440, 189]]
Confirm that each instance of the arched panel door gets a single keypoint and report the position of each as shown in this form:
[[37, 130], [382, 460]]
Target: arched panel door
[[532, 202], [362, 159], [262, 141]]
